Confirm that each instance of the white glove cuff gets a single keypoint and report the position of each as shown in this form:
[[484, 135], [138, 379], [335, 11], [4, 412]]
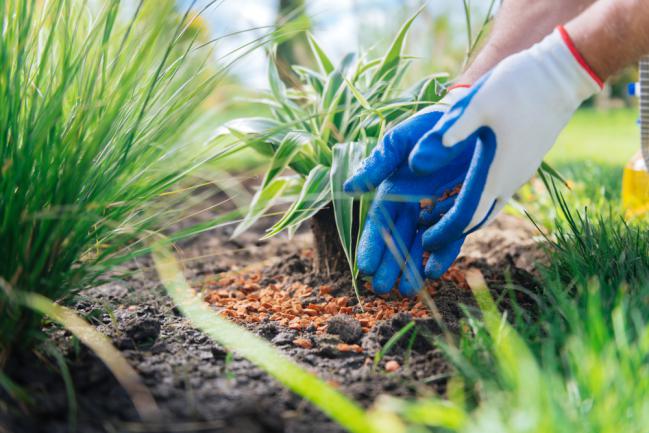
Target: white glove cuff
[[575, 78]]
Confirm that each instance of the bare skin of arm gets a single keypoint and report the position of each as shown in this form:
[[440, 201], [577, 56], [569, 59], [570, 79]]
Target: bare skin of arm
[[612, 34], [519, 25]]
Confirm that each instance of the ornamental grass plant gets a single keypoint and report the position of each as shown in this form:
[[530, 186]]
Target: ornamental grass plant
[[97, 103]]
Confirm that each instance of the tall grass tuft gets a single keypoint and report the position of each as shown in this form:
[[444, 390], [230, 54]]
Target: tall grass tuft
[[97, 99], [581, 365]]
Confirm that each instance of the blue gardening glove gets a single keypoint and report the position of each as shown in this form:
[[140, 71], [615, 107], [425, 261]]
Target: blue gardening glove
[[516, 113], [391, 242]]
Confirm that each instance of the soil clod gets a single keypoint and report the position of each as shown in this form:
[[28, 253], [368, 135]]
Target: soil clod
[[348, 329]]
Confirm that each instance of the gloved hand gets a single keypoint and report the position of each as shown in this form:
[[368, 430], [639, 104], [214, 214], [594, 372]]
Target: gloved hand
[[516, 113], [391, 240]]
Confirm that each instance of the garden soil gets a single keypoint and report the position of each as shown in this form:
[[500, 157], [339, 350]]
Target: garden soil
[[270, 288]]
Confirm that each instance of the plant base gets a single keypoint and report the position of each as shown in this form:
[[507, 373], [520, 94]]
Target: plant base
[[330, 256]]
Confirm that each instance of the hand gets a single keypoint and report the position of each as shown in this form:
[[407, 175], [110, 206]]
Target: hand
[[391, 240], [516, 113]]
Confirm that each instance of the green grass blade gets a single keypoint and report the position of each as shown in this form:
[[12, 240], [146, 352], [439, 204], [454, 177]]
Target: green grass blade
[[277, 86], [428, 412], [392, 342], [517, 364], [547, 168], [15, 391], [346, 160], [292, 144], [73, 406], [244, 127]]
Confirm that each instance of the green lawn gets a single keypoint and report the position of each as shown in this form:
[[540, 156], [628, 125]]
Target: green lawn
[[591, 153], [608, 137]]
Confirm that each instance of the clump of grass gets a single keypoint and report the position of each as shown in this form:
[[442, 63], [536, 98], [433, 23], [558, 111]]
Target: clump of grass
[[96, 98], [581, 366]]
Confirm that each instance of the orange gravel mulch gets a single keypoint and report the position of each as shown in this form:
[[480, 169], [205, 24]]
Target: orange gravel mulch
[[299, 307], [242, 299]]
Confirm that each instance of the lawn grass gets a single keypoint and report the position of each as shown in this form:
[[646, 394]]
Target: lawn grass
[[579, 364], [593, 150], [590, 154], [607, 137]]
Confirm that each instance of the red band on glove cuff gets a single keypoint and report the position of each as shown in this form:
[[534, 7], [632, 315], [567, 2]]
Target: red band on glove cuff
[[580, 59], [459, 86]]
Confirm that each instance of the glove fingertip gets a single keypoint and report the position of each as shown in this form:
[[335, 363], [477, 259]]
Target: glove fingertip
[[356, 184], [408, 287], [430, 216], [438, 235], [440, 261], [435, 269], [368, 259], [380, 287], [370, 250]]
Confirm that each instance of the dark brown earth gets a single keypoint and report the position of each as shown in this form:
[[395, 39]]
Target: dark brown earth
[[200, 388]]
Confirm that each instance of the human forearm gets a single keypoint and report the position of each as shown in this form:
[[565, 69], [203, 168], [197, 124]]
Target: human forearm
[[519, 25], [612, 34]]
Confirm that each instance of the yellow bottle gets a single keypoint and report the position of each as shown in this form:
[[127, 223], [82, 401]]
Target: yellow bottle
[[635, 187]]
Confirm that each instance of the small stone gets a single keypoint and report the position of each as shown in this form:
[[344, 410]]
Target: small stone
[[218, 353], [349, 348], [392, 366], [304, 343]]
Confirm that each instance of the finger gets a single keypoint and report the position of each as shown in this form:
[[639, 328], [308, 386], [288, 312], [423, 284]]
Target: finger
[[390, 153], [398, 243], [371, 246], [412, 279], [450, 138], [453, 224], [455, 172], [440, 260], [432, 215]]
